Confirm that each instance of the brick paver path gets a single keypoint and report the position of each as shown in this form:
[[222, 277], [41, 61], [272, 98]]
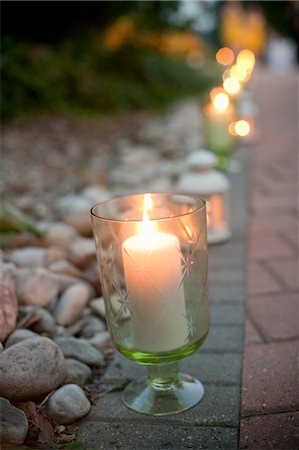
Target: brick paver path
[[270, 394]]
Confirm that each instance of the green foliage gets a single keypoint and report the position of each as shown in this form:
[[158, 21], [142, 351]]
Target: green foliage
[[13, 219], [80, 76]]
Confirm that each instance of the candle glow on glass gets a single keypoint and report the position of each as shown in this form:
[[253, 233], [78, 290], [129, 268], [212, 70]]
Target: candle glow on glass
[[153, 275]]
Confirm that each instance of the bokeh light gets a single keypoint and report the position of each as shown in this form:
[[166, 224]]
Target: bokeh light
[[221, 102], [225, 56], [226, 74], [246, 59], [239, 72], [232, 86], [215, 91], [239, 128]]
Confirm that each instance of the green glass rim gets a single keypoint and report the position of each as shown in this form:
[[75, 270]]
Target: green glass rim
[[198, 207]]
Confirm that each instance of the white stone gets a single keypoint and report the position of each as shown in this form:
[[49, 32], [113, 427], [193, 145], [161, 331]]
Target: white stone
[[99, 339], [77, 371], [36, 286], [68, 404], [28, 256], [46, 325], [65, 268], [76, 327], [61, 233], [31, 369], [96, 194], [73, 203], [8, 309], [71, 304], [83, 252], [36, 256], [161, 184], [13, 423], [92, 326], [80, 350], [65, 281], [80, 221], [18, 336], [98, 306]]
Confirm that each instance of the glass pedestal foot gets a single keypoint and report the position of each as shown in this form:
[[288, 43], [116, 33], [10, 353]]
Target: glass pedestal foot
[[160, 397]]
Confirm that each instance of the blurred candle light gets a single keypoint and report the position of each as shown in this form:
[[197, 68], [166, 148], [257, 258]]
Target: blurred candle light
[[218, 114], [215, 91], [239, 73], [242, 128], [239, 128], [203, 180], [226, 74], [225, 56], [247, 59], [221, 102], [232, 86]]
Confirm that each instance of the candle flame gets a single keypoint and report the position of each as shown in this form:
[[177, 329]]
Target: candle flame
[[147, 227], [147, 205]]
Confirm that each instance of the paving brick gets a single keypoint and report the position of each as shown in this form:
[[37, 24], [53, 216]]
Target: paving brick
[[264, 223], [226, 274], [268, 205], [270, 378], [261, 281], [226, 292], [227, 314], [207, 367], [291, 236], [271, 431], [283, 191], [214, 368], [224, 339], [252, 336], [230, 253], [218, 407], [287, 271], [276, 316], [142, 436], [268, 247]]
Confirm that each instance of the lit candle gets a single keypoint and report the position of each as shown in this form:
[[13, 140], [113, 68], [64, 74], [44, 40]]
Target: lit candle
[[219, 114], [153, 274]]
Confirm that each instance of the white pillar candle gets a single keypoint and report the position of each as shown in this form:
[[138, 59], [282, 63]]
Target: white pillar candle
[[153, 274]]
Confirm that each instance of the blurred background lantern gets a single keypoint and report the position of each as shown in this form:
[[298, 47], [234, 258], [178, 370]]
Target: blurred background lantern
[[217, 116], [213, 186]]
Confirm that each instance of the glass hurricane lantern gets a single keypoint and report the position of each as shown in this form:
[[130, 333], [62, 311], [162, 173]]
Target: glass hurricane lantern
[[152, 255]]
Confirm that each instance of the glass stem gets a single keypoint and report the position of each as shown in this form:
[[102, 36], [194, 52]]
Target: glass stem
[[163, 377]]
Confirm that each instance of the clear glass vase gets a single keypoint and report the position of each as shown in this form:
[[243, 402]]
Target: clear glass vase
[[152, 255]]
